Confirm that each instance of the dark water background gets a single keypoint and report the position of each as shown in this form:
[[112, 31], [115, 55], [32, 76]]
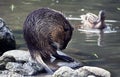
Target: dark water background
[[82, 47]]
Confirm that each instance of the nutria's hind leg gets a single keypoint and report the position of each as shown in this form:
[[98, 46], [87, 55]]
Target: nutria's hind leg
[[62, 56], [37, 58]]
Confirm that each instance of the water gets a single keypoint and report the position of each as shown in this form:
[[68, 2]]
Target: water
[[83, 46]]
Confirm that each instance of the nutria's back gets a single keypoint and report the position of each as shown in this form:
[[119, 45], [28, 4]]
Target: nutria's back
[[45, 31]]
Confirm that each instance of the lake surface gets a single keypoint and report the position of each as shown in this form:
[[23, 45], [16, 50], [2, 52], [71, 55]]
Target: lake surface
[[83, 46]]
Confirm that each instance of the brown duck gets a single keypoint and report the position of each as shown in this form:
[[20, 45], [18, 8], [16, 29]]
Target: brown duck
[[92, 21]]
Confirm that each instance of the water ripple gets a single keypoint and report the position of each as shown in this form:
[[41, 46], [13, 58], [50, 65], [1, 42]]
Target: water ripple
[[75, 18]]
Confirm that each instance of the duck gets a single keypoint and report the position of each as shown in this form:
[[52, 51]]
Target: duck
[[92, 21]]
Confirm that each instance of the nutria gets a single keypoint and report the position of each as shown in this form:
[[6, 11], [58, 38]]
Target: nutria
[[47, 31]]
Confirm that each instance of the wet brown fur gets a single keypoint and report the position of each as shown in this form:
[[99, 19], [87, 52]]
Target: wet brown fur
[[43, 28]]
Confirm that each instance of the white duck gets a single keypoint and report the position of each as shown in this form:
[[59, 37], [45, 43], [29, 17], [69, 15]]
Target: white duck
[[92, 21]]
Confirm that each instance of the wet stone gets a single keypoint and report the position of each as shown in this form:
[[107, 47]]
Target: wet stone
[[12, 66], [19, 61], [20, 65], [24, 69], [85, 71], [31, 68]]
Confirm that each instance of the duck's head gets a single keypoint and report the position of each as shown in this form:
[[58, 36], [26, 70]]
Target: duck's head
[[101, 15], [91, 20]]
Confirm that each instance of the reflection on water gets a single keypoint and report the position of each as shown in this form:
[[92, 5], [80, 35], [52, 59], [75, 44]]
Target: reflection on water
[[99, 33], [71, 18], [82, 47], [100, 38]]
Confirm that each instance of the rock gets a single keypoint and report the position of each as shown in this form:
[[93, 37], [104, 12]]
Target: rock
[[95, 71], [7, 39], [2, 65], [65, 72], [19, 55], [91, 76], [24, 69], [5, 60], [9, 74], [13, 56], [19, 61], [86, 71], [12, 66], [82, 72], [73, 65], [19, 64], [32, 68]]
